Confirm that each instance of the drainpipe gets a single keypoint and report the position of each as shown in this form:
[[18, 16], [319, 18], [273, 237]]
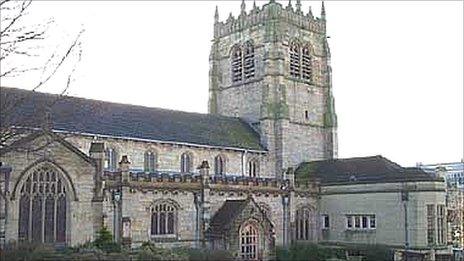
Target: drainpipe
[[405, 199]]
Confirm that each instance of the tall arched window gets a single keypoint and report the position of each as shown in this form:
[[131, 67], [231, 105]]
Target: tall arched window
[[186, 163], [305, 224], [294, 52], [42, 206], [163, 219], [249, 61], [150, 161], [111, 159], [306, 64], [249, 242], [219, 165], [253, 168], [236, 64]]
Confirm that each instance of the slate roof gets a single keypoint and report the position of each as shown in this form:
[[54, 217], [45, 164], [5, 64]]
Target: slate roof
[[375, 169], [226, 214], [28, 109]]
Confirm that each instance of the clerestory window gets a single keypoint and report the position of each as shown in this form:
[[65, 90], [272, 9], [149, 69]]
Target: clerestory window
[[186, 163], [219, 165], [150, 161]]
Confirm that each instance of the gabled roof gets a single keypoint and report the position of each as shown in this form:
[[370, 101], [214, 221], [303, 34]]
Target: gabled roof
[[22, 144], [71, 114], [226, 214], [229, 211], [375, 169]]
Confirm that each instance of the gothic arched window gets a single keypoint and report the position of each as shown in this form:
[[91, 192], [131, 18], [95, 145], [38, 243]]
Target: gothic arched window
[[249, 61], [306, 64], [236, 64], [42, 206], [253, 168], [249, 242], [219, 165], [149, 161], [111, 159], [163, 219], [186, 163], [294, 51], [305, 224]]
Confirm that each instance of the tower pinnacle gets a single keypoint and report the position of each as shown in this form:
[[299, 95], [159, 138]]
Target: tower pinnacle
[[323, 11], [298, 6], [216, 15], [243, 6]]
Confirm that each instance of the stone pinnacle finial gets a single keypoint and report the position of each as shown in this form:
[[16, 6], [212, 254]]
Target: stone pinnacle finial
[[290, 3], [243, 6], [254, 4], [216, 15], [310, 12], [323, 10], [298, 5]]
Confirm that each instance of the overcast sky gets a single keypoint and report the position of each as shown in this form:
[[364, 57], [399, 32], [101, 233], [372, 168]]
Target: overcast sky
[[397, 66]]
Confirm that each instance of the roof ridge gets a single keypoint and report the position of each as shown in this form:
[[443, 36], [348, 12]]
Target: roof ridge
[[118, 103]]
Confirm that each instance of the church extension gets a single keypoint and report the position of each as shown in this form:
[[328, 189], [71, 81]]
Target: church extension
[[259, 170]]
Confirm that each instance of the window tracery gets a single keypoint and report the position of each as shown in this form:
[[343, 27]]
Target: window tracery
[[42, 206], [163, 219], [249, 238], [304, 224]]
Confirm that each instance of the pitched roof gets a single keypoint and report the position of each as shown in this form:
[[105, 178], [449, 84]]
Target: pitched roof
[[226, 214], [375, 169], [71, 114]]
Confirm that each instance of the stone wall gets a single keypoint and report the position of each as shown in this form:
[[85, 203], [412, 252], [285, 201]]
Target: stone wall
[[168, 155], [79, 174], [385, 202]]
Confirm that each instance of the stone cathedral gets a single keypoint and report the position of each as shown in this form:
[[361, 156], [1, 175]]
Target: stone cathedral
[[259, 170]]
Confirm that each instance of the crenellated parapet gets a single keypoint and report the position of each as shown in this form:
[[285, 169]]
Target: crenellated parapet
[[267, 15], [218, 184]]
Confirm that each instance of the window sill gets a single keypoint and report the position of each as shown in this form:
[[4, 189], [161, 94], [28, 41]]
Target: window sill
[[360, 230], [163, 238]]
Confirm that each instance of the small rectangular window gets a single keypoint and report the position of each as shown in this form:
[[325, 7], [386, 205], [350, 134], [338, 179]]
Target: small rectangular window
[[357, 221], [325, 221], [372, 223], [364, 221], [349, 222]]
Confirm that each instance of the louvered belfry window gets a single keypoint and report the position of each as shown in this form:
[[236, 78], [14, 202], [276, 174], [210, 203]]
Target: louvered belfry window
[[42, 207], [306, 64], [237, 64], [294, 60], [249, 61]]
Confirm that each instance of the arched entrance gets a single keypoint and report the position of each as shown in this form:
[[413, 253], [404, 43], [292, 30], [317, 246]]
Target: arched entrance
[[43, 202], [249, 242]]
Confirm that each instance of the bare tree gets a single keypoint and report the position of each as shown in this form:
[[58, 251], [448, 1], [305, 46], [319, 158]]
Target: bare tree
[[21, 43]]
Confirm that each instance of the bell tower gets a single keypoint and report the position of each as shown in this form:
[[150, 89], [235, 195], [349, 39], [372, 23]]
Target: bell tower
[[271, 67]]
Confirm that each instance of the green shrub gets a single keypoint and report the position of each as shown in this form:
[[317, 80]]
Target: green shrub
[[26, 251], [373, 252], [104, 241], [198, 254], [148, 251], [308, 251]]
